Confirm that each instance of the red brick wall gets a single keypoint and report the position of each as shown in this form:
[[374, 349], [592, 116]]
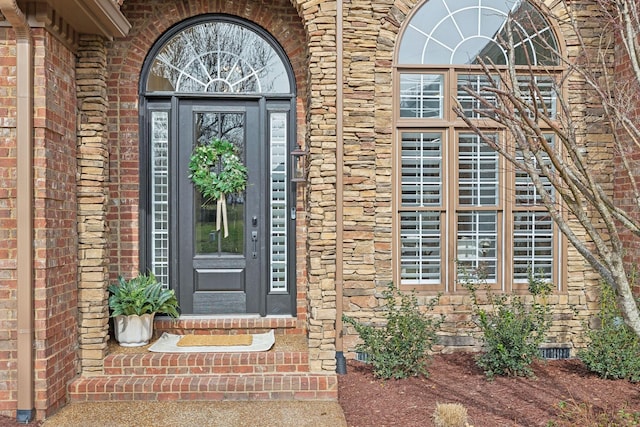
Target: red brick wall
[[55, 258], [8, 244], [622, 181], [55, 230], [149, 21]]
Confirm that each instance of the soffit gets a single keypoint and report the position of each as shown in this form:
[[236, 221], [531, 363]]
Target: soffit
[[101, 17]]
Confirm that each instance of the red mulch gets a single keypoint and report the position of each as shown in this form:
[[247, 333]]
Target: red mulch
[[454, 378]]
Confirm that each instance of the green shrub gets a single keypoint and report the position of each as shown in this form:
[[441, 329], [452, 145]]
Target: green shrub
[[614, 350], [400, 348], [512, 330]]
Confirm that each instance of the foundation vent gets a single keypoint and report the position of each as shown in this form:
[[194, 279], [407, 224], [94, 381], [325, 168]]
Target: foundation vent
[[555, 353], [362, 357]]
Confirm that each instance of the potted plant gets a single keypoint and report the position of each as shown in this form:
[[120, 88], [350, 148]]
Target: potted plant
[[133, 305]]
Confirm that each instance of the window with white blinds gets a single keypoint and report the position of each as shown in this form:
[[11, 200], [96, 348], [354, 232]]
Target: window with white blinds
[[461, 207]]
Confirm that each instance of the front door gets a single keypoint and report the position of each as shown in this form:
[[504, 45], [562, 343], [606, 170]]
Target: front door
[[217, 76], [219, 274]]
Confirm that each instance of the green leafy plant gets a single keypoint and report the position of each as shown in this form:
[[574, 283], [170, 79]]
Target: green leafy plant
[[140, 295], [614, 349], [400, 348], [216, 170], [512, 330]]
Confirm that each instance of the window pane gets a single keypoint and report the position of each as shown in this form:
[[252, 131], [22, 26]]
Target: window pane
[[218, 57], [208, 240], [532, 245], [420, 247], [421, 169], [465, 32], [478, 176], [160, 196], [533, 34], [470, 105], [421, 95], [477, 243], [278, 201], [526, 192], [546, 89]]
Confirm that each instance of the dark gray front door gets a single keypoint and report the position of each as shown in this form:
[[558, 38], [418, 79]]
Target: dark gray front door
[[217, 274]]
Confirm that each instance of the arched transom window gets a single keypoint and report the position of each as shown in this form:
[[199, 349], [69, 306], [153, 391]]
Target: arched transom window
[[459, 207], [218, 57]]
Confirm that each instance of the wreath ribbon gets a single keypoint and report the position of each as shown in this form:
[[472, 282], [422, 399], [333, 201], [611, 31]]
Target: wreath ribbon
[[221, 211]]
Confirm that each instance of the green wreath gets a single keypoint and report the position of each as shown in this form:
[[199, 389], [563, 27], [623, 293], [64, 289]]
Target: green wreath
[[216, 171]]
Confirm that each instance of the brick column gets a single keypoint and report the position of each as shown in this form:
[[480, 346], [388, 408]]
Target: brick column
[[93, 172]]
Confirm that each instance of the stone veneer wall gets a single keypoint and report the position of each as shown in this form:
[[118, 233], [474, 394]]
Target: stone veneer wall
[[371, 31], [92, 178]]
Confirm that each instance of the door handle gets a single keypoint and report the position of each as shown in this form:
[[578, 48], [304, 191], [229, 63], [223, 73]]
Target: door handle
[[254, 239]]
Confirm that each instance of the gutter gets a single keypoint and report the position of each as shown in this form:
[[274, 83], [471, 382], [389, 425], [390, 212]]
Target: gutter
[[341, 364], [24, 209]]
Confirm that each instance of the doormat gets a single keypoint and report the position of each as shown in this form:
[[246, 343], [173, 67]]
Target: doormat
[[168, 343], [228, 340]]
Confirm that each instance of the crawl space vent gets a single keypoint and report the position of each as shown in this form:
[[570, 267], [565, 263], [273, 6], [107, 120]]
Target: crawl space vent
[[555, 353], [362, 357]]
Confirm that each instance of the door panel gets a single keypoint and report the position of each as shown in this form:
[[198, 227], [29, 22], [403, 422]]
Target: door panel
[[217, 274]]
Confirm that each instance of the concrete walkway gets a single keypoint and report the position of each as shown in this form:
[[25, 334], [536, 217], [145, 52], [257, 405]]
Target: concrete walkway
[[214, 414]]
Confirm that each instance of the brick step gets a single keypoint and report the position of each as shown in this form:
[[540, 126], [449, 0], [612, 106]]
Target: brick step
[[273, 361], [280, 373], [278, 386], [284, 325]]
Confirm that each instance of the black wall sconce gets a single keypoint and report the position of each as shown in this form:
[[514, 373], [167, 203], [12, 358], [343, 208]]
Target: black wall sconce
[[299, 164]]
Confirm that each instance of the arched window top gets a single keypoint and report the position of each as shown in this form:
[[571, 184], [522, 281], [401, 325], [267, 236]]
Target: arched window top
[[456, 32], [218, 57]]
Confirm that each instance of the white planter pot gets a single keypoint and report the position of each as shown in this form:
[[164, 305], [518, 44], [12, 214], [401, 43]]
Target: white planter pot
[[134, 330]]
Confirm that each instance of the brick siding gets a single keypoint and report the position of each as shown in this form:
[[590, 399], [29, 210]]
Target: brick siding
[[55, 241], [55, 231], [627, 82], [8, 282]]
